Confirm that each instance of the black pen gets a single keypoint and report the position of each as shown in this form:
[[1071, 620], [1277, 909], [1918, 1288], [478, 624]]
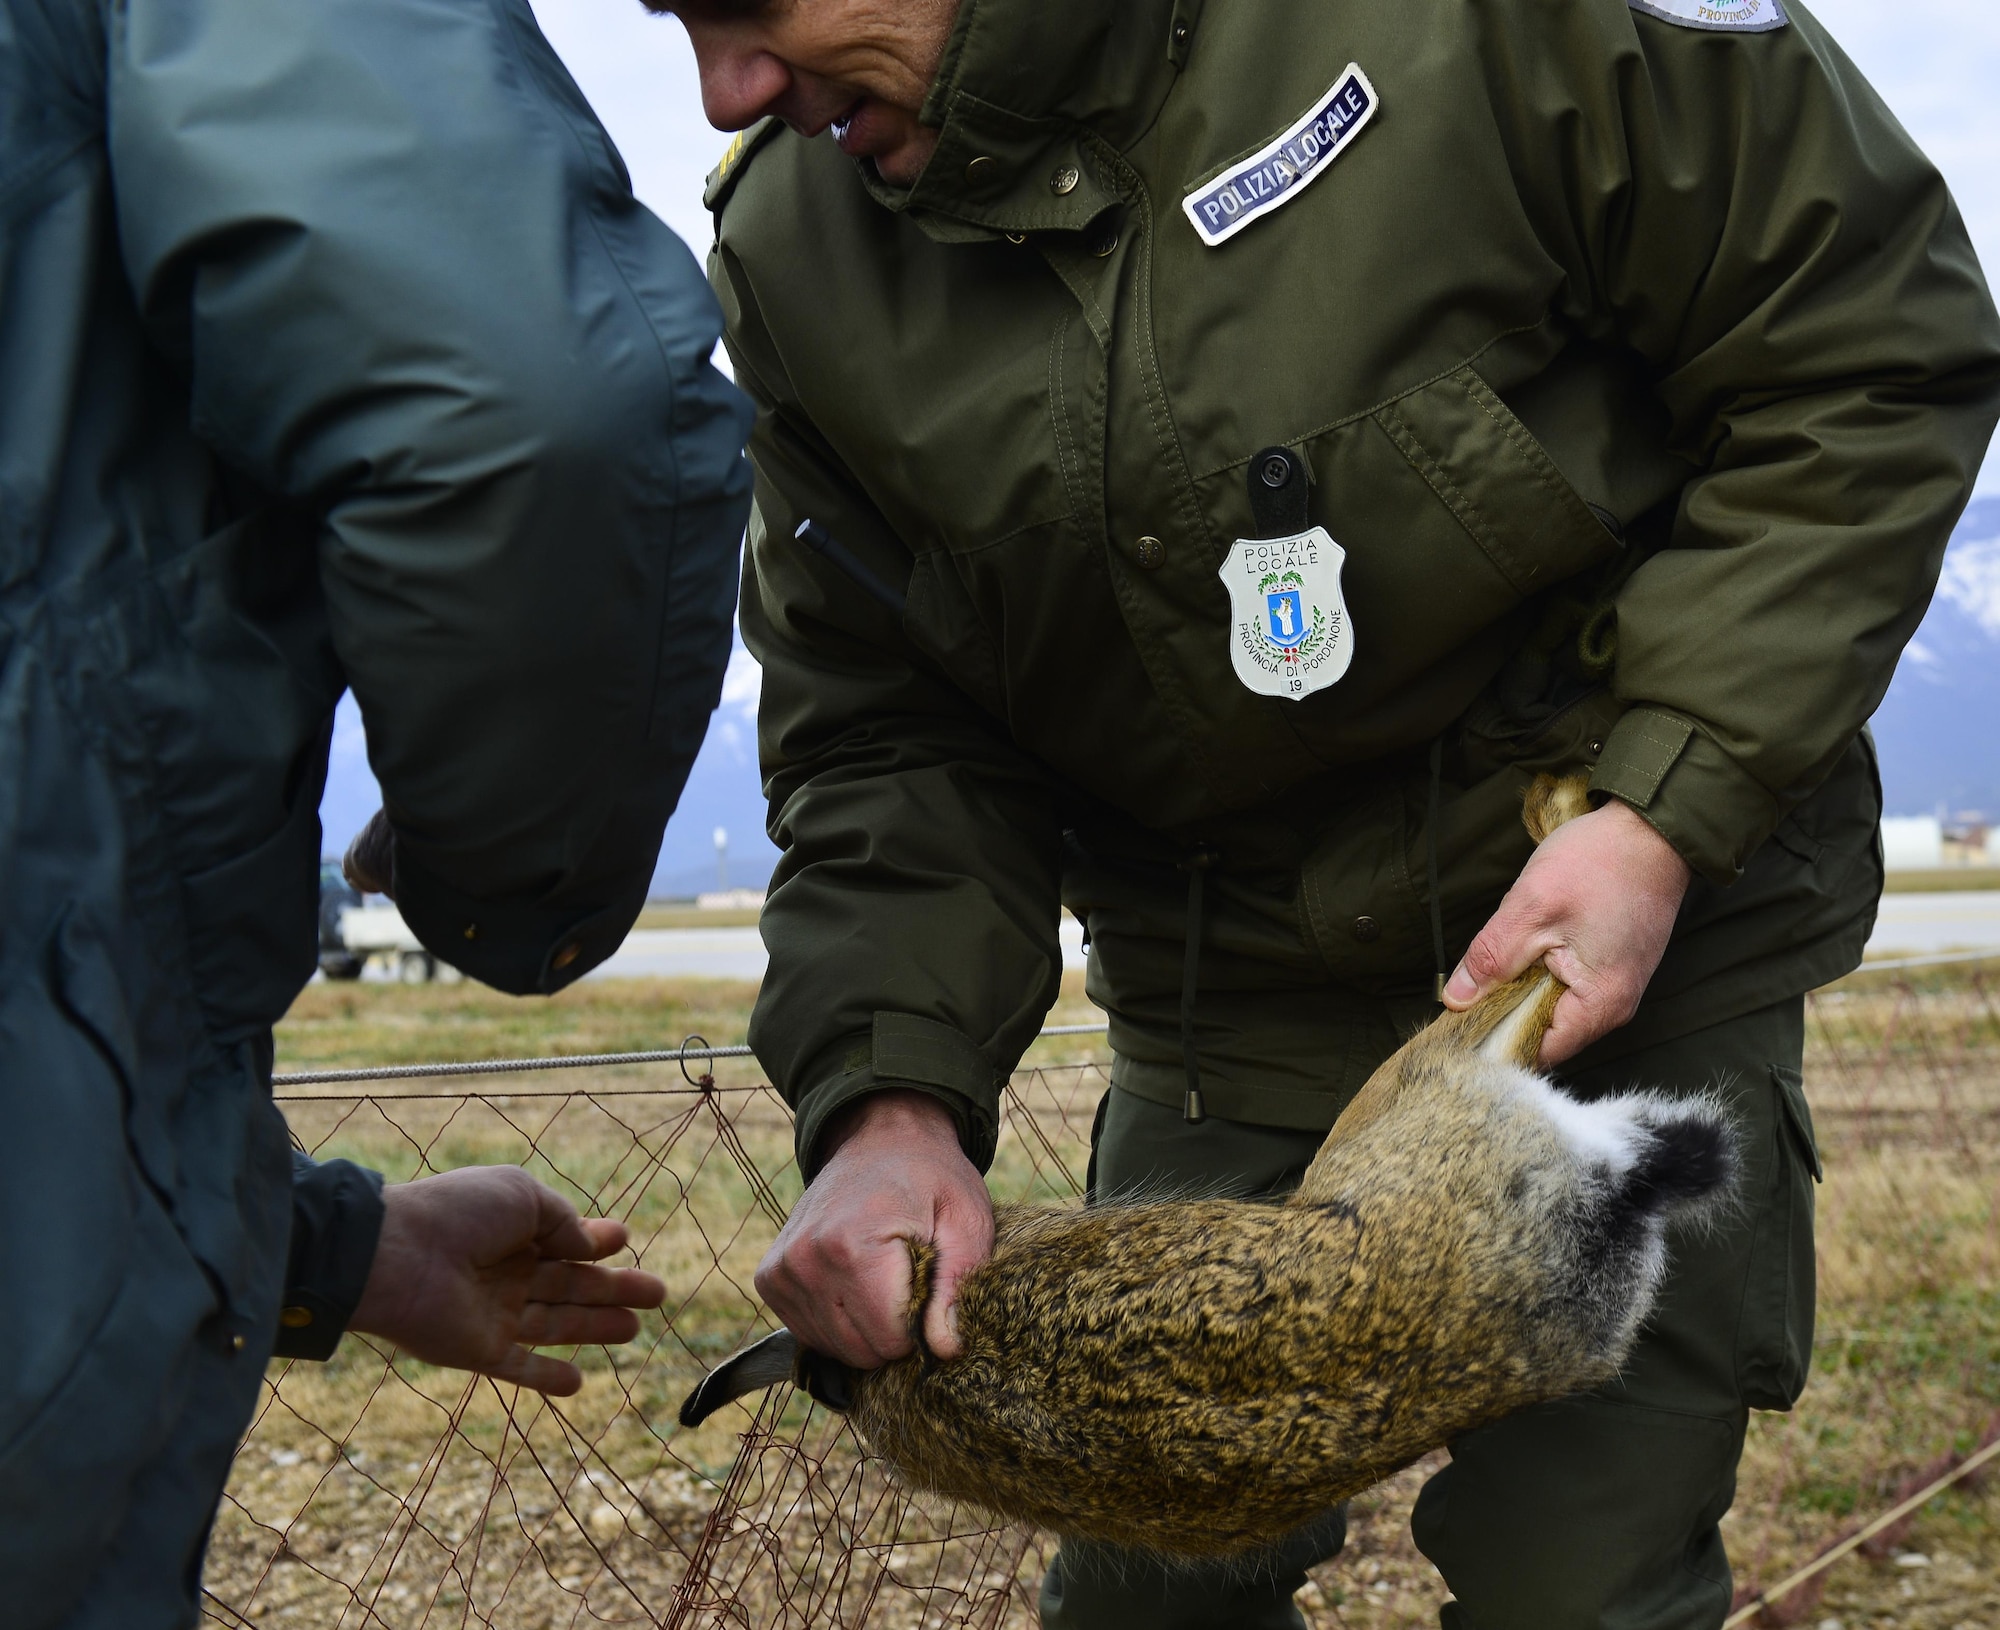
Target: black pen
[[816, 538]]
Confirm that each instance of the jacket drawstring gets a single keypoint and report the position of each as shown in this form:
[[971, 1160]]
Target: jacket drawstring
[[1431, 867], [1197, 865]]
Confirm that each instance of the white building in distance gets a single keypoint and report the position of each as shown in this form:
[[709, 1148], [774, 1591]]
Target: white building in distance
[[1912, 842]]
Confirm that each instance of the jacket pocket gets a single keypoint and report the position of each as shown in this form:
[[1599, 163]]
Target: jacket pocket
[[1798, 1119], [1496, 481], [1774, 1338], [252, 923]]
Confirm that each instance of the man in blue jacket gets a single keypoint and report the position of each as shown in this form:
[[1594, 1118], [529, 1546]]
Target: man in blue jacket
[[334, 352]]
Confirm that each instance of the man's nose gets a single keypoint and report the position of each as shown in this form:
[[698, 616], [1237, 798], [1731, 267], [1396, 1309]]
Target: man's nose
[[739, 82]]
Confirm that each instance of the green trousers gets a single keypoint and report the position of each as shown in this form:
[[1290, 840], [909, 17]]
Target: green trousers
[[1596, 1512]]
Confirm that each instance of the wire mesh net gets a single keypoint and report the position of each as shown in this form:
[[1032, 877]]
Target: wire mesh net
[[1903, 1078], [375, 1491]]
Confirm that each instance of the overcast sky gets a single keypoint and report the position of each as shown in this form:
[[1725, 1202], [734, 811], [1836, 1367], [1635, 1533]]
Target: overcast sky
[[1936, 62]]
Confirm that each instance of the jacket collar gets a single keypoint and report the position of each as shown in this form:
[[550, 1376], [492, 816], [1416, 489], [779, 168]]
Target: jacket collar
[[1028, 91]]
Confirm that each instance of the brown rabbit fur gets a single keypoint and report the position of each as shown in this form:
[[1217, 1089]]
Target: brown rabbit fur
[[1200, 1377]]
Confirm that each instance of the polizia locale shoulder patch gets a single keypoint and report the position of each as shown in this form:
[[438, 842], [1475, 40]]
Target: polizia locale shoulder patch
[[1225, 204], [1728, 16]]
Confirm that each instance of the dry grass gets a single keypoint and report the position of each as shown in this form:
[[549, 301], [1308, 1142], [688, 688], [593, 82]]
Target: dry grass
[[350, 1026], [659, 914], [1943, 880], [373, 1493]]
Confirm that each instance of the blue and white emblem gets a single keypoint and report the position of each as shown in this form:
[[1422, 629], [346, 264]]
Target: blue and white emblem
[[1225, 204], [1288, 623], [1289, 633]]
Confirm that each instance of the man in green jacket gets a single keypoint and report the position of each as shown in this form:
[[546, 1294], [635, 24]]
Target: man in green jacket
[[334, 352], [1244, 444]]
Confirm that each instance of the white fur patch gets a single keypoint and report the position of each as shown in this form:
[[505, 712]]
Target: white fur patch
[[1605, 1133]]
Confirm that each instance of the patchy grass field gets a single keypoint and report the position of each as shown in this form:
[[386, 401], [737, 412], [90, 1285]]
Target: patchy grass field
[[660, 914], [384, 1494], [351, 1026], [1943, 880]]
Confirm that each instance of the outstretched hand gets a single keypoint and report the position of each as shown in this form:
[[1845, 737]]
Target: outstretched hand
[[1596, 903], [477, 1266], [839, 1272]]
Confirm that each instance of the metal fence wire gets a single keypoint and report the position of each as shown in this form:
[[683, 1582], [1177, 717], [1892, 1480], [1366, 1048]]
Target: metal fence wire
[[376, 1492]]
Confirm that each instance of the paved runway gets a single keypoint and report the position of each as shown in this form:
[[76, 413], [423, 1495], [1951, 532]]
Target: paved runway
[[1910, 925], [1923, 924], [729, 953], [682, 953]]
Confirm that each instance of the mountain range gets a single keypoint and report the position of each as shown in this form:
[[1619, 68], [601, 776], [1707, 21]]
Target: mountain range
[[1939, 727], [722, 791]]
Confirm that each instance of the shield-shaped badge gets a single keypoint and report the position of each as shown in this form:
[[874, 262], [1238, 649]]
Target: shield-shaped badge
[[1291, 634]]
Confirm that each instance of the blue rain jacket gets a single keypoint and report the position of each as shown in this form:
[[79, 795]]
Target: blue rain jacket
[[334, 352]]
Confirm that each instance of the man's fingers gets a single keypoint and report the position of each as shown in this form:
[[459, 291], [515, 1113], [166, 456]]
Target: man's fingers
[[846, 1302], [555, 1377], [1461, 989], [591, 1286], [839, 1274], [941, 1317], [964, 1239], [1597, 902], [607, 1234], [1572, 1029], [876, 1303], [570, 1324], [560, 1232], [1505, 947], [833, 1330], [1591, 1007]]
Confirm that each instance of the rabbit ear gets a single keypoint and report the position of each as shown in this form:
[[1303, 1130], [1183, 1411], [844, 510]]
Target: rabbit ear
[[762, 1364], [1550, 802], [1517, 1037]]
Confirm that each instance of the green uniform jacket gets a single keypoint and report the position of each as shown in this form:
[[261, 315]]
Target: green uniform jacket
[[1641, 370]]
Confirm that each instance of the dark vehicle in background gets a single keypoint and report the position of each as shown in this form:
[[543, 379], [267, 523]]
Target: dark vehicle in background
[[336, 895]]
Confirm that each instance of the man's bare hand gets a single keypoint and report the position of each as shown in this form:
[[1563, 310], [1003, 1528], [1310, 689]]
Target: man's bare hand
[[369, 863], [839, 1273], [1597, 902], [477, 1266]]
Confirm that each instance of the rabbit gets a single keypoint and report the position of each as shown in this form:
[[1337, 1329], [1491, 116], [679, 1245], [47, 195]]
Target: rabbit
[[1198, 1378]]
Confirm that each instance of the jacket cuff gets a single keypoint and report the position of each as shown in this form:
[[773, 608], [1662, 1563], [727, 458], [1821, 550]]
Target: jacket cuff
[[519, 947], [1690, 791], [902, 1051], [336, 1221]]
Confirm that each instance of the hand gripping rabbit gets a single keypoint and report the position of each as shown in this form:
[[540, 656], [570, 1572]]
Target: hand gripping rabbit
[[1201, 1377]]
